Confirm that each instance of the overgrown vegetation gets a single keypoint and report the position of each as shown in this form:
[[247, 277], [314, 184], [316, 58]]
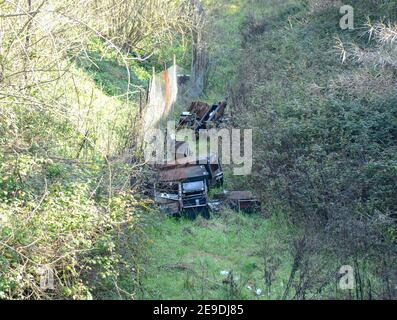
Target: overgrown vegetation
[[322, 104], [222, 258], [71, 77]]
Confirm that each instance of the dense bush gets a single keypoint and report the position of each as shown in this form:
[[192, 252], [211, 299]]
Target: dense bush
[[325, 134], [88, 237], [70, 80]]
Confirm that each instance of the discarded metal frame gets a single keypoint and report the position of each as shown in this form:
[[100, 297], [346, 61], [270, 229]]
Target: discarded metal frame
[[201, 115], [182, 184]]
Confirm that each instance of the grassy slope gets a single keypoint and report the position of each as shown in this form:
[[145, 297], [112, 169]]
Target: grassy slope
[[295, 52], [187, 257], [56, 207]]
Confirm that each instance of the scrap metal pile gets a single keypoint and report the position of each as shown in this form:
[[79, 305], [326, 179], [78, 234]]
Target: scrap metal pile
[[200, 116], [182, 186]]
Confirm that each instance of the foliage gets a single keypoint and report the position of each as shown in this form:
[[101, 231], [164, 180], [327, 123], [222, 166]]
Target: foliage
[[72, 228], [221, 258], [322, 105], [325, 137], [70, 86]]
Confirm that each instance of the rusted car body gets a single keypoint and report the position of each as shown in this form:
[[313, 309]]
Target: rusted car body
[[211, 163], [183, 191]]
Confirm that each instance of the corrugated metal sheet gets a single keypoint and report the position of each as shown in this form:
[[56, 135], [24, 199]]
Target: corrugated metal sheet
[[181, 174]]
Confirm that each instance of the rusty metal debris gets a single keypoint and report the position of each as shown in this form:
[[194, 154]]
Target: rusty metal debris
[[182, 185], [183, 189], [243, 201], [211, 163], [201, 115]]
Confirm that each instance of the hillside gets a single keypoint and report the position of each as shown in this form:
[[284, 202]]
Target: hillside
[[316, 96], [321, 102]]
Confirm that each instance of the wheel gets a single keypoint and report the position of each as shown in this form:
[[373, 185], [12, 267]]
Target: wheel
[[205, 213]]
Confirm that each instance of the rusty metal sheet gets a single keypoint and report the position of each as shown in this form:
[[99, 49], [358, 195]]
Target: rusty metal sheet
[[170, 208], [184, 173], [212, 158], [199, 108]]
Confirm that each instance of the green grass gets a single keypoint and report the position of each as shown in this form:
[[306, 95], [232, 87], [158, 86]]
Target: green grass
[[225, 18], [294, 55], [187, 258], [110, 72]]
